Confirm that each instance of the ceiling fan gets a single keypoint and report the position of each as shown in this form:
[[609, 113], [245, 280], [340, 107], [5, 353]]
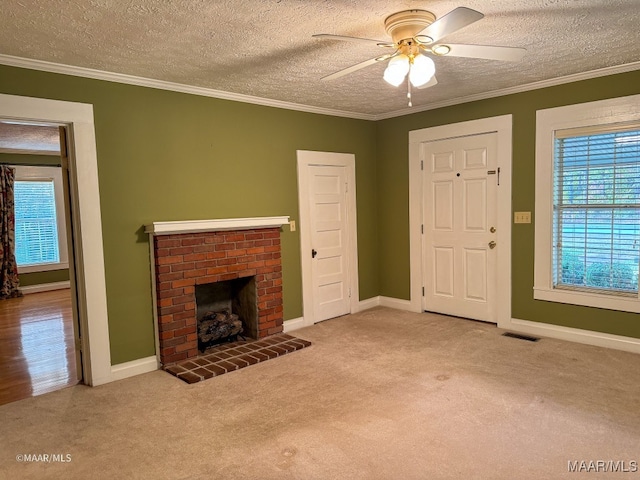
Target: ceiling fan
[[416, 36]]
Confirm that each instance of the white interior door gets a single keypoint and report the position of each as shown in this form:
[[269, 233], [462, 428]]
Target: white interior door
[[329, 265], [459, 243]]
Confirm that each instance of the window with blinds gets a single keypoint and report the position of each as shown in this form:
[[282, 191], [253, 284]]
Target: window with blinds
[[596, 209], [36, 224]]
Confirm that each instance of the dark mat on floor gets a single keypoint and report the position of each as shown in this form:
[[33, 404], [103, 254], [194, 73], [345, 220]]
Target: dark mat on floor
[[234, 356]]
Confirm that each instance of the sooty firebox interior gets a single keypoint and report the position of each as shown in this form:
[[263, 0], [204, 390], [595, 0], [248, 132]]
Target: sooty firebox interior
[[225, 310]]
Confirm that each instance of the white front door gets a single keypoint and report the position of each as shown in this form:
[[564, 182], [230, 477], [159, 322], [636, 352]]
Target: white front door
[[329, 252], [459, 242]]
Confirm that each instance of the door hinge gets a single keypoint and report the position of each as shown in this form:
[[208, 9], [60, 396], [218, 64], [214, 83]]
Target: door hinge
[[79, 344], [349, 292], [421, 164], [346, 187], [423, 291], [422, 228]]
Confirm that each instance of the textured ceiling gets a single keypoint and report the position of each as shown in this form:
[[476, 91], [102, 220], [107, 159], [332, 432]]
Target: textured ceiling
[[25, 138], [265, 48]]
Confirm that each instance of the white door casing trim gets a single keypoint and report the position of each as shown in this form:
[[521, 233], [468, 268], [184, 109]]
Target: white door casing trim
[[305, 159], [502, 125], [85, 198]]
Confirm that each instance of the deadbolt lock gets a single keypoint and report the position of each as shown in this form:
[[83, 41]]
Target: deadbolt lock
[[492, 229], [492, 244]]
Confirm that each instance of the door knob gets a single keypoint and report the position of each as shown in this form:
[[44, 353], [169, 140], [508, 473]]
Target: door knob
[[492, 229], [314, 253], [492, 244]]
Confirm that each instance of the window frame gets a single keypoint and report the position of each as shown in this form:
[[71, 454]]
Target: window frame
[[48, 173], [599, 114]]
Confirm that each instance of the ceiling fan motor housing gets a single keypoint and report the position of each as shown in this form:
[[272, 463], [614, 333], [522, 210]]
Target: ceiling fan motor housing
[[406, 24]]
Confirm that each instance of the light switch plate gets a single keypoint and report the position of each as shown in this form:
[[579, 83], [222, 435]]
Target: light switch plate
[[521, 217], [292, 225]]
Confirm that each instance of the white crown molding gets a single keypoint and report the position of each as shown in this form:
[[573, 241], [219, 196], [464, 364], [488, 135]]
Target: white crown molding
[[52, 67], [552, 82], [194, 226]]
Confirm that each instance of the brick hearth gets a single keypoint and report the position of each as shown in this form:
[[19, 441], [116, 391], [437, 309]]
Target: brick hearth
[[185, 260]]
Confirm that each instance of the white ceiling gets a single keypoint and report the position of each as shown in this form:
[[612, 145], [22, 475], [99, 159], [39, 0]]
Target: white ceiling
[[265, 49], [29, 138]]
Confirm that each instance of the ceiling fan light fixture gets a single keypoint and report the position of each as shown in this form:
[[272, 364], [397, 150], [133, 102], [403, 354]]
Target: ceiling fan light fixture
[[422, 69], [424, 39], [397, 70], [441, 49]]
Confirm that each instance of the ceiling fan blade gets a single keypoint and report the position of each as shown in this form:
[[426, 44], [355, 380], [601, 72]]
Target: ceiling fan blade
[[508, 54], [346, 38], [430, 83], [453, 21], [356, 67]]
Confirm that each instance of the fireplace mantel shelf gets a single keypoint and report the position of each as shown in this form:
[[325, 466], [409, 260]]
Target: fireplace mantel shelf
[[191, 226]]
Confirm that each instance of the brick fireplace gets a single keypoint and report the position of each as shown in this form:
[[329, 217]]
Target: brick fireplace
[[190, 254]]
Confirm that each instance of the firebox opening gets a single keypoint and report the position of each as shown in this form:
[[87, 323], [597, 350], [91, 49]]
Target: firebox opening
[[218, 304]]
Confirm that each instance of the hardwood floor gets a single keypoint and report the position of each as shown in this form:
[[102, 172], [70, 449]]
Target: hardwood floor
[[37, 347]]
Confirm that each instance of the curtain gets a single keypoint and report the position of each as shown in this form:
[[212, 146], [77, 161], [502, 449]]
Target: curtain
[[9, 282]]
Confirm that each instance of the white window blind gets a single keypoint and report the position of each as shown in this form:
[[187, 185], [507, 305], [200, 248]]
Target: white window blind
[[596, 209], [36, 223]]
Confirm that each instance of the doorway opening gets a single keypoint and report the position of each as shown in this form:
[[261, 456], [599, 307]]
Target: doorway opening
[[39, 330], [86, 222]]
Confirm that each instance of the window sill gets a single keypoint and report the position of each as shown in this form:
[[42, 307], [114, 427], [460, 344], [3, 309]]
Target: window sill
[[44, 267], [588, 299]]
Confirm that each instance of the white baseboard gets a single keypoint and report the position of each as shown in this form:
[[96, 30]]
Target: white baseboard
[[389, 302], [588, 337], [45, 287], [134, 367], [293, 324], [396, 303], [296, 323], [368, 303]]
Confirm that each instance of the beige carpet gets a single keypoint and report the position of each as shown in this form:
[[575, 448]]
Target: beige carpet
[[382, 394]]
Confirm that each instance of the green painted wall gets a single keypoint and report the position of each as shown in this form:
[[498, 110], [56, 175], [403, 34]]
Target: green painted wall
[[36, 278], [40, 278], [393, 201], [170, 156]]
